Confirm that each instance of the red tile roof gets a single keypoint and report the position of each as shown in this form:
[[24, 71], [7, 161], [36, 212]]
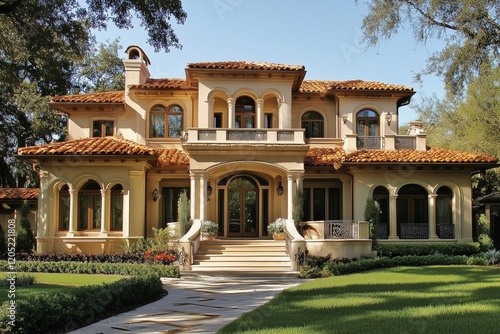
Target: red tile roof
[[337, 157], [320, 86], [104, 97], [170, 157], [245, 65], [162, 84], [90, 146], [431, 155], [18, 193]]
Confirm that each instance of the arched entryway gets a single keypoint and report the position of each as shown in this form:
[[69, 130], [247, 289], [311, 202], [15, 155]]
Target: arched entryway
[[243, 205]]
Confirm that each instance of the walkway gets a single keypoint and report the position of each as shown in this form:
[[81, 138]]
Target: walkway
[[198, 303]]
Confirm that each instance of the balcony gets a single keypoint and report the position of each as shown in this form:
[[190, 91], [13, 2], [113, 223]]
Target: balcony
[[247, 136], [353, 142]]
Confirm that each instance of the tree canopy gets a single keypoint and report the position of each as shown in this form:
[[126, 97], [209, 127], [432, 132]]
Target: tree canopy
[[47, 48], [470, 29]]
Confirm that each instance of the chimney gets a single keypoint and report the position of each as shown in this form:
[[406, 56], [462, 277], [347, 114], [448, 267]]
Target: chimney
[[136, 67]]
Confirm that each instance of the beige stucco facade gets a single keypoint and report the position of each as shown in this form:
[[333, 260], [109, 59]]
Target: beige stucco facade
[[242, 140]]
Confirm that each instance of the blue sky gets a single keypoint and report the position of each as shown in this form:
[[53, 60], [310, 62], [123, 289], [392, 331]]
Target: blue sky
[[322, 35]]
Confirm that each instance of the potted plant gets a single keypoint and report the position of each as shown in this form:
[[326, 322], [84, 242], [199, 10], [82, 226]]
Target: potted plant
[[209, 230], [277, 229]]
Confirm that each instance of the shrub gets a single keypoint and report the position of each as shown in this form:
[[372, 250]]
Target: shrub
[[372, 216], [101, 258], [20, 280], [209, 227], [63, 312], [484, 233], [448, 248], [25, 239], [94, 268], [477, 260]]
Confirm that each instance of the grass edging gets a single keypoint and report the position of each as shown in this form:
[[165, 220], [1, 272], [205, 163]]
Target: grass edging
[[337, 269], [93, 268], [63, 312]]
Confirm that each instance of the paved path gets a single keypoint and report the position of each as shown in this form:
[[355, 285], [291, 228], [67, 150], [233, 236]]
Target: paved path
[[197, 303]]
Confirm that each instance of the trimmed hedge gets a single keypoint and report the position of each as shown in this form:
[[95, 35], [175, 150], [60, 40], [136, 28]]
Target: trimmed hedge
[[97, 257], [339, 268], [447, 248], [63, 312], [94, 268]]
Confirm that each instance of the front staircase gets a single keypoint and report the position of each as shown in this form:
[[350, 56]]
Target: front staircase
[[242, 255]]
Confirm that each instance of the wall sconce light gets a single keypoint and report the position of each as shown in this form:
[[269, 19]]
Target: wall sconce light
[[388, 118], [209, 189], [344, 119], [156, 195], [279, 190]]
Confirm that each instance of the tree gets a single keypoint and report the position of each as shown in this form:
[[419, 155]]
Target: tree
[[42, 46], [470, 29], [25, 240]]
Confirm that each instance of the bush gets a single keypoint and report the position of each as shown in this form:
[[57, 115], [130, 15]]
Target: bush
[[20, 280], [63, 312], [25, 239], [101, 258], [477, 260], [448, 248], [94, 268], [483, 230]]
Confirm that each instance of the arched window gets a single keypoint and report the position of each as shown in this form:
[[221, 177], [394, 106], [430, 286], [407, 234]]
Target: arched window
[[412, 212], [312, 122], [165, 122], [381, 195], [244, 112], [64, 208], [89, 206], [367, 129], [444, 220], [117, 208]]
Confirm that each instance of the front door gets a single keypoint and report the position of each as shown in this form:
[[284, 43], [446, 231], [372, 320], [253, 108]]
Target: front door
[[243, 208]]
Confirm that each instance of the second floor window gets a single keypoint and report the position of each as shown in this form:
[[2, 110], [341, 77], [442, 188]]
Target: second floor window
[[245, 112], [312, 122], [166, 122], [367, 123], [102, 128]]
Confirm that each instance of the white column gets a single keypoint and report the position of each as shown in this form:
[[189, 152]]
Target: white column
[[193, 195], [393, 217], [203, 197], [211, 114], [73, 195], [432, 217], [260, 113], [230, 113], [290, 192], [104, 209]]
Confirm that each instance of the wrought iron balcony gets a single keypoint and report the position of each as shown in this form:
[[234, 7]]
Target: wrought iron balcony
[[261, 136], [446, 231], [370, 143], [414, 231], [382, 231], [341, 229], [405, 142]]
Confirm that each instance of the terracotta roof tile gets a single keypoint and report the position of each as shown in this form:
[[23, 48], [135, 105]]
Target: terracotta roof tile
[[169, 157], [320, 86], [162, 84], [324, 157], [431, 155], [104, 97], [90, 146], [337, 157], [245, 65], [18, 193]]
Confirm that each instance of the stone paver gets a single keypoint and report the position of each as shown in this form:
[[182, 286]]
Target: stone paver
[[197, 303]]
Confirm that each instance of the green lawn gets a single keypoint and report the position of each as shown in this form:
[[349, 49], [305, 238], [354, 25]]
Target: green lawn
[[455, 299], [52, 282]]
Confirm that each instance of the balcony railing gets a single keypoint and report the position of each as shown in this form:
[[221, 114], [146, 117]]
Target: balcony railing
[[370, 143], [341, 229], [414, 231], [446, 231], [405, 142], [382, 231], [281, 136]]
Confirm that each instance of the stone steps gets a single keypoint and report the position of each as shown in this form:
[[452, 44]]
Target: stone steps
[[242, 255]]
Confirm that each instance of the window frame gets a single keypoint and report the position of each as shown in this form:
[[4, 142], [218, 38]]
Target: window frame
[[308, 124], [165, 113], [64, 194], [102, 128], [91, 224], [366, 125]]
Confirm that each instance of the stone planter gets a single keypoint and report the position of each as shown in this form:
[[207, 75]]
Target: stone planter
[[279, 236], [208, 236]]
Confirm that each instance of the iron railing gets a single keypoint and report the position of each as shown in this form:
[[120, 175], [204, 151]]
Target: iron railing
[[445, 231], [382, 231], [414, 231], [341, 229], [370, 142], [405, 143]]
